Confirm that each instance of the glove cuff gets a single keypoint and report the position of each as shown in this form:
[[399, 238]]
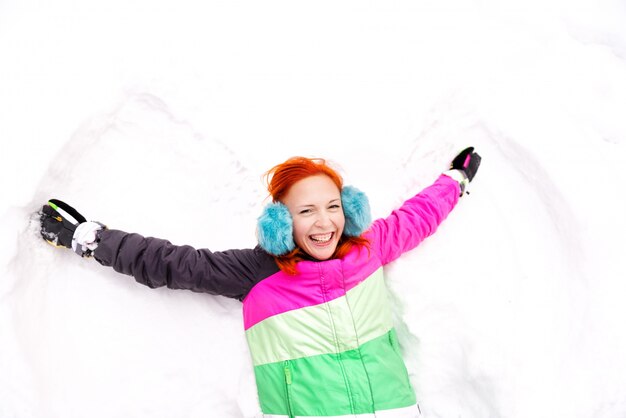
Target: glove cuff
[[460, 177]]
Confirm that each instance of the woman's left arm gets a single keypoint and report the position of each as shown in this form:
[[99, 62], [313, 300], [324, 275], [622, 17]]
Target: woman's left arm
[[419, 216]]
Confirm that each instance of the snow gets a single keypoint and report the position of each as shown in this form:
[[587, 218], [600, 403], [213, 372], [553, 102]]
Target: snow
[[160, 118]]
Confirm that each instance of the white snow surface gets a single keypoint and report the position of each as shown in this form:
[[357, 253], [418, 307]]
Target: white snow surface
[[160, 117]]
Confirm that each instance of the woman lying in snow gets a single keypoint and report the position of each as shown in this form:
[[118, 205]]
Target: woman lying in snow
[[315, 307]]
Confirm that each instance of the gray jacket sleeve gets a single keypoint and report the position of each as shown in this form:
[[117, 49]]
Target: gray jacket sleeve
[[156, 262]]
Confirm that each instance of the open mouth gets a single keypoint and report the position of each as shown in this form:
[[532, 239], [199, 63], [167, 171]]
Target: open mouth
[[321, 239]]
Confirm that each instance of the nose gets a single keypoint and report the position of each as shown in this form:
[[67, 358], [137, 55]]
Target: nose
[[323, 219]]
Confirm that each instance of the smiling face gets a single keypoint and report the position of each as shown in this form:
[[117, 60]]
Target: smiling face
[[318, 220]]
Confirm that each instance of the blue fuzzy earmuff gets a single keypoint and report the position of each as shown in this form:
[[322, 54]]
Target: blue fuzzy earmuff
[[275, 229], [275, 225]]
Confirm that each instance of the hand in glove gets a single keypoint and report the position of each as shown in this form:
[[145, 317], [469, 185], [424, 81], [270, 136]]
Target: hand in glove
[[467, 161], [64, 226], [464, 167]]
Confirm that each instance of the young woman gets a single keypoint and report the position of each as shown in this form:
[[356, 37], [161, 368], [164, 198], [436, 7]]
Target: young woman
[[315, 307]]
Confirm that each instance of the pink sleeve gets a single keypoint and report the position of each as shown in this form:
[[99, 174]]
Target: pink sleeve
[[415, 220]]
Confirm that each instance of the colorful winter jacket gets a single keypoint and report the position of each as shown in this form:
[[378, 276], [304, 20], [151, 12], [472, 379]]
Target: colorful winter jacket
[[322, 342]]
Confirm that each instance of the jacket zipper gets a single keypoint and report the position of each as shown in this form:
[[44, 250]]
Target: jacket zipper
[[346, 381], [288, 388]]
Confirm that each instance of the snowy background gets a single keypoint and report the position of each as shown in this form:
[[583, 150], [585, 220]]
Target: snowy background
[[160, 117]]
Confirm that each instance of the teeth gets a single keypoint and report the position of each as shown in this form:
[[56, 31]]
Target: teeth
[[322, 238]]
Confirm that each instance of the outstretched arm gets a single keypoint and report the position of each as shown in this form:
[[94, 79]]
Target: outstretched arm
[[155, 262], [419, 216]]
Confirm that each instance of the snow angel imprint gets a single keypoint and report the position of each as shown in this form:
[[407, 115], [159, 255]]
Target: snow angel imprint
[[315, 308]]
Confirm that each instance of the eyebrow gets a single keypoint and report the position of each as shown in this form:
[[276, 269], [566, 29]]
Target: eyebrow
[[310, 206]]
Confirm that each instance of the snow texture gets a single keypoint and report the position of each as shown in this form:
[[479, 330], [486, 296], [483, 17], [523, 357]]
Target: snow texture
[[160, 117]]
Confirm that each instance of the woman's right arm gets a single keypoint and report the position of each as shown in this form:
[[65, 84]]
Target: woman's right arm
[[156, 262]]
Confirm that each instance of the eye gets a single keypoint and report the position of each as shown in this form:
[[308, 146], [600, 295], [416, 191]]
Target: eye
[[305, 211], [334, 206]]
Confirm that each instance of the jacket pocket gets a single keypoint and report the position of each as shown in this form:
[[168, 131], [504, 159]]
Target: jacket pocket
[[288, 382], [393, 341]]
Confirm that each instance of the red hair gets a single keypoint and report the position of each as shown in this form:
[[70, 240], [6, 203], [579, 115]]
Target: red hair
[[279, 180]]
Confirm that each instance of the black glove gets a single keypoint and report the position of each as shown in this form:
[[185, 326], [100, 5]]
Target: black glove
[[467, 161], [58, 223]]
